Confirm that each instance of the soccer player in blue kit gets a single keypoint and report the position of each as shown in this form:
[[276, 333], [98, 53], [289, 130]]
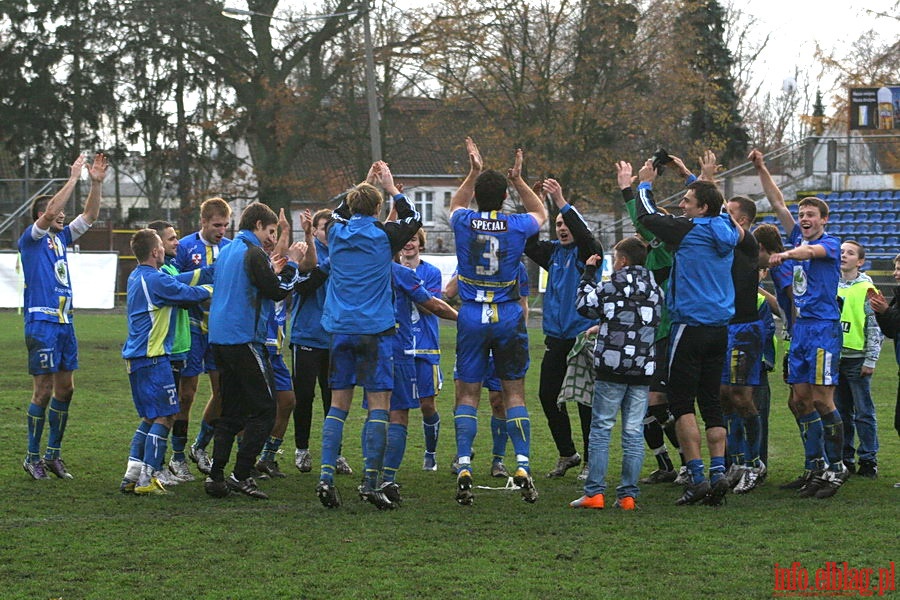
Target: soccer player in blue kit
[[817, 339], [153, 298], [361, 249], [49, 333], [489, 244]]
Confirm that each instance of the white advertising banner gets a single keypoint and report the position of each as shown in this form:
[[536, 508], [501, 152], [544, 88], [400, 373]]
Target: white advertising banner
[[92, 274]]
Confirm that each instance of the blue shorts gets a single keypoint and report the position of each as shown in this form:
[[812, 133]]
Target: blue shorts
[[405, 394], [815, 352], [429, 379], [283, 382], [51, 347], [483, 329], [153, 387], [364, 360], [491, 382], [743, 362], [199, 358]]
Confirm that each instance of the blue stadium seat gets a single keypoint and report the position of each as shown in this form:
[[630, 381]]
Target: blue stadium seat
[[892, 243], [875, 228], [889, 217], [834, 196], [820, 196], [849, 196], [849, 228], [836, 218], [859, 195], [872, 217], [873, 195], [896, 195], [863, 239], [876, 241], [886, 195]]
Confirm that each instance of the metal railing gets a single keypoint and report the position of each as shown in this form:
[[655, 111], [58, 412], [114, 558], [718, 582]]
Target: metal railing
[[25, 206]]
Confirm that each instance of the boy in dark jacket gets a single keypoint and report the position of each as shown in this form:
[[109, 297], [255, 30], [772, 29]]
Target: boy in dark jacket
[[629, 307]]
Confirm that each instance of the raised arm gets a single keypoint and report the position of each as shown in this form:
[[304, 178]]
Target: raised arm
[[311, 258], [58, 202], [584, 239], [98, 174], [466, 191], [532, 203], [776, 198]]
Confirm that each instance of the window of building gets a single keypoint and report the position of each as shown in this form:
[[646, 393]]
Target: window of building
[[424, 203]]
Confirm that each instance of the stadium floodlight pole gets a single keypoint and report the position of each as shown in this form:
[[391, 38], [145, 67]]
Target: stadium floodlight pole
[[371, 97], [371, 92]]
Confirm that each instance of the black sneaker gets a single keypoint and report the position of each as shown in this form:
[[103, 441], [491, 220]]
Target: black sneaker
[[798, 483], [216, 489], [376, 497], [270, 468], [247, 487], [694, 493], [464, 493], [660, 476], [831, 482], [391, 489], [851, 466], [812, 486], [328, 495], [867, 468], [717, 492]]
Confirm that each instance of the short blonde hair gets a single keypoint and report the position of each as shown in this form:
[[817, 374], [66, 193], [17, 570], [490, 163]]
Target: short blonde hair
[[364, 199], [215, 207]]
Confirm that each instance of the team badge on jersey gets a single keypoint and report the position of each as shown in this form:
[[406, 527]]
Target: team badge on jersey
[[61, 270], [196, 258]]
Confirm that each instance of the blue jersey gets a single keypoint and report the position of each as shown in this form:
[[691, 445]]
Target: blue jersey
[[488, 248], [276, 327], [816, 280], [152, 298], [409, 290], [425, 326], [193, 253], [48, 292]]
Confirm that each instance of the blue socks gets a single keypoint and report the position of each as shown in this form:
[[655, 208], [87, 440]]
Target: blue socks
[[499, 437], [834, 439], [812, 432], [518, 426], [734, 438], [716, 468], [393, 453], [139, 441], [205, 435], [59, 415], [332, 436], [465, 418], [695, 467], [35, 431], [753, 437], [155, 446], [375, 443], [271, 448], [431, 426]]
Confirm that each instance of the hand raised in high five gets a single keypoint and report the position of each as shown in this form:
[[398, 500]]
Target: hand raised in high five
[[624, 174]]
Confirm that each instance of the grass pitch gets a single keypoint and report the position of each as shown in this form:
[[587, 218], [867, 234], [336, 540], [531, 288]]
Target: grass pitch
[[83, 539]]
